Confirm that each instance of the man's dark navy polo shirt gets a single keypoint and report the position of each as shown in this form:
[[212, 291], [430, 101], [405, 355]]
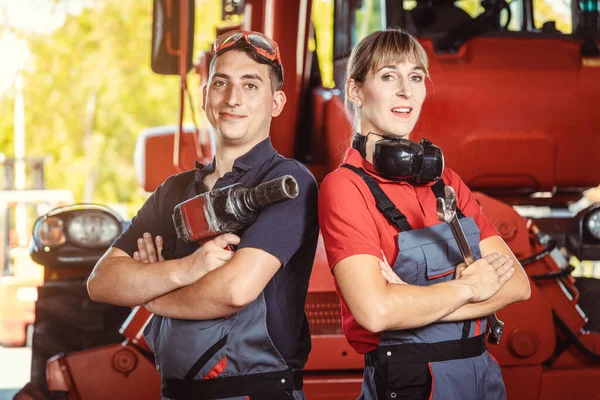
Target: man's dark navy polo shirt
[[288, 230]]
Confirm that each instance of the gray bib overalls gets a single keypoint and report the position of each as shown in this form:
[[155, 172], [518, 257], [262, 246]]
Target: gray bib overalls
[[444, 360], [224, 358]]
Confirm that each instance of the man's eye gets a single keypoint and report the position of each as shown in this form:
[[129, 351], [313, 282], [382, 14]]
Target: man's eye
[[251, 86], [219, 84]]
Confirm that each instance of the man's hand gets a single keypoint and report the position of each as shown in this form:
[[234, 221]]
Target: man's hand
[[210, 256], [487, 275], [147, 251]]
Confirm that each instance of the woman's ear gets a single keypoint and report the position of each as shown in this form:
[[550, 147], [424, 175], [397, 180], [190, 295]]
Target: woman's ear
[[354, 92]]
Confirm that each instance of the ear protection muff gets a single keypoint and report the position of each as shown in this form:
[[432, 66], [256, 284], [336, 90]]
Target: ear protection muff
[[403, 159]]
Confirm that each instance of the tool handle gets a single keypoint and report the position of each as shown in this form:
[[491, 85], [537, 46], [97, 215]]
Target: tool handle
[[461, 240], [495, 329]]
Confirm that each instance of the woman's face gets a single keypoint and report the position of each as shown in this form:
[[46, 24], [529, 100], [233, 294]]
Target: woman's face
[[390, 99]]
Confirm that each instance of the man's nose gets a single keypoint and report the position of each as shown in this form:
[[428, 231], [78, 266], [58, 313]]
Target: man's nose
[[234, 96]]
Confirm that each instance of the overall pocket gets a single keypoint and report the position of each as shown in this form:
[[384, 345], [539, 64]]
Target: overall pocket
[[184, 342], [411, 381], [441, 262]]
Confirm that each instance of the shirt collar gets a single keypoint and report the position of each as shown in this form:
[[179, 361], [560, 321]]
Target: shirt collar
[[255, 157], [202, 170]]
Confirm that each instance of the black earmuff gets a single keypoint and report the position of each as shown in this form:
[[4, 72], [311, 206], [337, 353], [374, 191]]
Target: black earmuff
[[403, 159]]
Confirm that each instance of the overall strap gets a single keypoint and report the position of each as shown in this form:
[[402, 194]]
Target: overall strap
[[384, 204], [438, 190]]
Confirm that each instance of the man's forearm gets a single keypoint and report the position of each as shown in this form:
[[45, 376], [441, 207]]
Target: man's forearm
[[223, 291], [124, 281], [207, 298]]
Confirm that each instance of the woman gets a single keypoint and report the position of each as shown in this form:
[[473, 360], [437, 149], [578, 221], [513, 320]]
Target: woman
[[421, 322]]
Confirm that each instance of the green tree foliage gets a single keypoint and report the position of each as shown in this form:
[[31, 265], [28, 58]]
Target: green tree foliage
[[90, 92]]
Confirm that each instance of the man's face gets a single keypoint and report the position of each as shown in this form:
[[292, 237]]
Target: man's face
[[239, 102]]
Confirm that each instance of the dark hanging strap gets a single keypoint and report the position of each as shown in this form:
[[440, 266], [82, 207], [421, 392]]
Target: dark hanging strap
[[466, 329], [438, 190], [384, 204]]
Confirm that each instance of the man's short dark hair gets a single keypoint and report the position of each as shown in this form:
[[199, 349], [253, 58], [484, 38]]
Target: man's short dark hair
[[275, 69]]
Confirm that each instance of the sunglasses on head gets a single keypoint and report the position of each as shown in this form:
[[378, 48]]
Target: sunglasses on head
[[263, 45]]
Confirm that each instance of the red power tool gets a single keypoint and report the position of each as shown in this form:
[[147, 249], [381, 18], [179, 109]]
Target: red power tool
[[229, 209]]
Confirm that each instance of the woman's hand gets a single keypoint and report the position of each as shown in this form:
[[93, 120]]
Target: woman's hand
[[388, 273], [149, 251], [459, 269], [487, 275]]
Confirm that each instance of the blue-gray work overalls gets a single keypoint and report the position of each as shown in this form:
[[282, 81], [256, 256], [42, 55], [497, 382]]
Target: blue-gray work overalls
[[224, 358], [444, 360]]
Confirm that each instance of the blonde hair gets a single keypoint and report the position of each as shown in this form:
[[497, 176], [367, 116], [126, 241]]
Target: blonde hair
[[392, 46]]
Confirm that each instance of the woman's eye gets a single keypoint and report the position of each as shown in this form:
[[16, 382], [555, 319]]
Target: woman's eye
[[416, 78], [387, 77]]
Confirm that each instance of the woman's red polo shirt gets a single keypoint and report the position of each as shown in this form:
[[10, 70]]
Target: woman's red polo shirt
[[351, 224]]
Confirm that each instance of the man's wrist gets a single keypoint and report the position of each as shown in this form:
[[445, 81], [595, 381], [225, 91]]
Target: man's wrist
[[464, 290], [179, 272]]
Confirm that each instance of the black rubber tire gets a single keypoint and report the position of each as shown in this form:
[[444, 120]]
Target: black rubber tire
[[589, 301], [66, 321]]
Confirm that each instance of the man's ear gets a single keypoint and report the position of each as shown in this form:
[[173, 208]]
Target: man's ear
[[204, 97], [354, 92], [279, 100]]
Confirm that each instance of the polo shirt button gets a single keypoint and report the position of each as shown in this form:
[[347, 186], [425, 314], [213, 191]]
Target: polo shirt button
[[393, 395], [283, 381], [389, 353]]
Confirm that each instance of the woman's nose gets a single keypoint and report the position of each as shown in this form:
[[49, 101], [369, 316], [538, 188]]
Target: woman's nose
[[403, 89]]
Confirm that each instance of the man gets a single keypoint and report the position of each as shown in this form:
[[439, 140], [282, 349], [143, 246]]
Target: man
[[226, 324]]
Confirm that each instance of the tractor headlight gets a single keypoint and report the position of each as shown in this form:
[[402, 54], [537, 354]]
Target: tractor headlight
[[592, 223], [93, 229], [84, 226], [51, 232]]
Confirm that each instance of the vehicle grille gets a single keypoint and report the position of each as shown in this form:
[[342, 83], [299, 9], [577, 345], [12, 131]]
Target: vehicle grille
[[323, 311]]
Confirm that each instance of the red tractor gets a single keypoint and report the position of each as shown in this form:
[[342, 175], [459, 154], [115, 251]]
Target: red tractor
[[512, 102]]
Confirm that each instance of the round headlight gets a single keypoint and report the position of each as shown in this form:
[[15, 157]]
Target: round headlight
[[51, 232], [593, 223], [93, 229]]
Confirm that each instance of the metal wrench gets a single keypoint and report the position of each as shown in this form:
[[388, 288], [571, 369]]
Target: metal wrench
[[446, 211]]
